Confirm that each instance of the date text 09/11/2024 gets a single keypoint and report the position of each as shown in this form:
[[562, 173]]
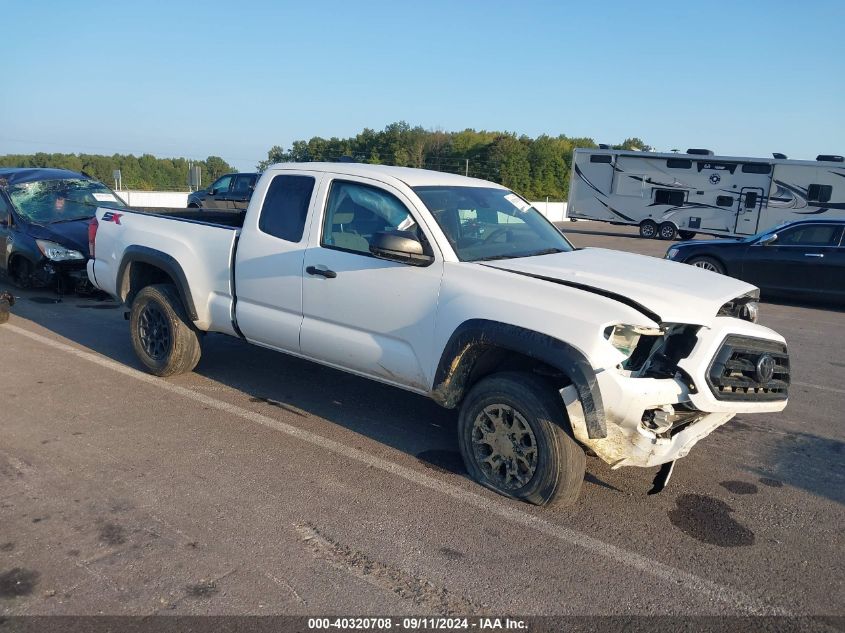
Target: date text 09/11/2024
[[421, 623]]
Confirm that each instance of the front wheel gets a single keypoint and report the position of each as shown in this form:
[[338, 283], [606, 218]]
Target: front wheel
[[163, 338], [513, 440], [707, 263], [648, 229]]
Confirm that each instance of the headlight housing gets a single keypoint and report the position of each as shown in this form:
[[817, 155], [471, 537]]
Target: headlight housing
[[625, 337], [58, 253], [745, 307], [671, 253]]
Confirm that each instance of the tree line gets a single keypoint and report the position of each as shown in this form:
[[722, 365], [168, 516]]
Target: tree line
[[146, 172], [534, 167]]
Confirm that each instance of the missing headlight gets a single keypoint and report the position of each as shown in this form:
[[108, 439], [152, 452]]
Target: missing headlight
[[745, 307]]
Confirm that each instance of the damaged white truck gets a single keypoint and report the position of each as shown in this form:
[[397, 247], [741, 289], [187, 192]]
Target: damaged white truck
[[458, 289]]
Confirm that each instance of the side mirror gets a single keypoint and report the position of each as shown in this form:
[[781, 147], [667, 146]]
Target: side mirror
[[212, 191], [400, 246], [769, 239], [6, 221]]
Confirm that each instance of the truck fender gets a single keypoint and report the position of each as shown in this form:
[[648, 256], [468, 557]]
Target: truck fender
[[473, 337], [162, 261]]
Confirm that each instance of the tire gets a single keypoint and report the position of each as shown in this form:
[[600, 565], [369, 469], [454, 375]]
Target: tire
[[553, 472], [648, 229], [667, 231], [22, 273], [707, 263], [163, 338], [687, 235]]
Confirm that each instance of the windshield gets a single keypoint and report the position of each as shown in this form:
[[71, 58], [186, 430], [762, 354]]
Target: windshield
[[61, 200], [486, 223]]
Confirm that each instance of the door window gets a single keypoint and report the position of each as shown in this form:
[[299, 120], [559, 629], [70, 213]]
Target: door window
[[356, 212], [221, 185], [285, 207], [811, 235], [243, 184], [750, 200]]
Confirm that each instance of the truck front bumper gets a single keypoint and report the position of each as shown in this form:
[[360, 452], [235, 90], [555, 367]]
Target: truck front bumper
[[651, 421]]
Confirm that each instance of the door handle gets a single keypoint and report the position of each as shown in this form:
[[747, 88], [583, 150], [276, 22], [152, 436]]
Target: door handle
[[813, 255], [323, 272]]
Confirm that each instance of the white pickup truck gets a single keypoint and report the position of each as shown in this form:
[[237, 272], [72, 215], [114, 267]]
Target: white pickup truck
[[458, 289]]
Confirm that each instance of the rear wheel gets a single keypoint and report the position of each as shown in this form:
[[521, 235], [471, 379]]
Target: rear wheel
[[163, 338], [687, 235], [513, 440], [707, 263], [648, 229], [668, 231]]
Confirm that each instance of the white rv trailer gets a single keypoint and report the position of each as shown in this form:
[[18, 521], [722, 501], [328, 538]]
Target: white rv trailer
[[667, 195]]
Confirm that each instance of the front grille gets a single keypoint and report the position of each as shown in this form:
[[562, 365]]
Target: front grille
[[740, 371]]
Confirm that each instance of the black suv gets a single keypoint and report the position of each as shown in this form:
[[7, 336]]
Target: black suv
[[231, 191]]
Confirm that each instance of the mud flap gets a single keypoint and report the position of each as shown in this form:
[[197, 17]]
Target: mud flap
[[661, 479]]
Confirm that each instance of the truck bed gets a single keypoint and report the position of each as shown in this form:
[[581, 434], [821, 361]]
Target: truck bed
[[230, 219]]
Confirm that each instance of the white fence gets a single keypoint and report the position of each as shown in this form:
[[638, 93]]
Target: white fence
[[554, 211], [175, 199]]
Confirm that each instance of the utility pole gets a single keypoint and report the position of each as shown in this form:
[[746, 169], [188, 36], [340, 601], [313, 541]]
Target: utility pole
[[466, 171]]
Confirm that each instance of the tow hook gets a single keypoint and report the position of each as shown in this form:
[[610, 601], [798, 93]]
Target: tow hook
[[662, 477]]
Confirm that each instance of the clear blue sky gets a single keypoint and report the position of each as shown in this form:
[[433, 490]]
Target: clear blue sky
[[182, 78]]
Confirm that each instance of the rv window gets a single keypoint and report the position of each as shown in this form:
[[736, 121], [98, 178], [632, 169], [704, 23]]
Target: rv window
[[601, 158], [669, 196], [750, 200], [756, 168], [724, 201], [679, 163], [819, 193]]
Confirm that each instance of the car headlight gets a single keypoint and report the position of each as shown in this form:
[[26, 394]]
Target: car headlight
[[745, 307], [625, 337], [671, 253], [56, 252]]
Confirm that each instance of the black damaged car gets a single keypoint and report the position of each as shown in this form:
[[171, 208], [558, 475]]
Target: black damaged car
[[44, 216], [801, 260]]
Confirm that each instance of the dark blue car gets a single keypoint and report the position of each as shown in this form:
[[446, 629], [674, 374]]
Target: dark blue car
[[801, 260], [44, 216]]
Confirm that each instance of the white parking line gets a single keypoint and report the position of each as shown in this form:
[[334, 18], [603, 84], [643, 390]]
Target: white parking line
[[521, 516], [814, 386]]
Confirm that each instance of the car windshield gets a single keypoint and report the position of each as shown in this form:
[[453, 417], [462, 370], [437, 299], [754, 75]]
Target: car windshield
[[61, 200], [484, 223]]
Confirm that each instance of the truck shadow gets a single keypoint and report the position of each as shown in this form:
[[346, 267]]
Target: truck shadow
[[402, 420]]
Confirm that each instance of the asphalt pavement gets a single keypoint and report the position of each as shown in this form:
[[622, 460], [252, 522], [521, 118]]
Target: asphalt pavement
[[265, 484]]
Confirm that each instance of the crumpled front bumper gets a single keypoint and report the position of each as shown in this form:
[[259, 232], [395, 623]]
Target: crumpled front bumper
[[685, 415]]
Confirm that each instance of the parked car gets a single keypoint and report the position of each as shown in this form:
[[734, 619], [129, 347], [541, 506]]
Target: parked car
[[457, 289], [44, 217], [804, 259], [231, 191]]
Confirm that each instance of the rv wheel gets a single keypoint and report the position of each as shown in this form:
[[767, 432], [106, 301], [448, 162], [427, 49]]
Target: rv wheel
[[686, 235], [648, 229], [668, 231]]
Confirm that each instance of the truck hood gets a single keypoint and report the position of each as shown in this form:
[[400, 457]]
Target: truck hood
[[666, 291]]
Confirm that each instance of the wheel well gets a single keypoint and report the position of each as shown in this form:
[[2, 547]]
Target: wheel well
[[475, 362], [139, 275], [15, 261]]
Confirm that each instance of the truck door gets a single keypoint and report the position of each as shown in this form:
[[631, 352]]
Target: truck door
[[241, 191], [268, 263], [748, 210], [364, 314], [218, 193]]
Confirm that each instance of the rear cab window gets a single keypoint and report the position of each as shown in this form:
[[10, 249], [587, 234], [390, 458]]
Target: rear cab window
[[285, 207]]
